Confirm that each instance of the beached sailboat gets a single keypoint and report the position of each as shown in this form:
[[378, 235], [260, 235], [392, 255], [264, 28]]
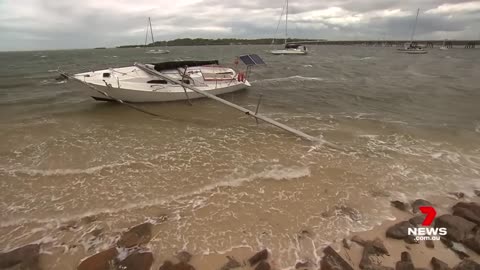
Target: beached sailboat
[[294, 49], [412, 47], [137, 84], [157, 51]]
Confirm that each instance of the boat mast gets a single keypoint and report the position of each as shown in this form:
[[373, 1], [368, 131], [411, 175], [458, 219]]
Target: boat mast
[[414, 26], [146, 35], [286, 23], [151, 30]]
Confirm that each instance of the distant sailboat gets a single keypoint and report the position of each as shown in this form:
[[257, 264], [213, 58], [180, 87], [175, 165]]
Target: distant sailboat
[[444, 47], [411, 47], [156, 51], [295, 49]]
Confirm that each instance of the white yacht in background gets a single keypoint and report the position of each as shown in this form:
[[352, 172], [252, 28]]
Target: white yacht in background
[[156, 51], [443, 47], [412, 47], [293, 49]]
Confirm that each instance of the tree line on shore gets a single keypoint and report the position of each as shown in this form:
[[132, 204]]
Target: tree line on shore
[[221, 41]]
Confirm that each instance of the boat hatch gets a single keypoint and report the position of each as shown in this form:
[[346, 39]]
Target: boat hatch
[[157, 81]]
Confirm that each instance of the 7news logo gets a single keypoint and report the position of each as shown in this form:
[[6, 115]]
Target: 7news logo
[[426, 232]]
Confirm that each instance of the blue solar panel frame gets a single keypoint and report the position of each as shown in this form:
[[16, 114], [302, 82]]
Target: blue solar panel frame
[[251, 60], [257, 59]]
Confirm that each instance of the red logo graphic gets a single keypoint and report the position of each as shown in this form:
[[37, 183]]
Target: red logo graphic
[[430, 214]]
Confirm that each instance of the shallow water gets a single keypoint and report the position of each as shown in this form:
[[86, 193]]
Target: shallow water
[[410, 125]]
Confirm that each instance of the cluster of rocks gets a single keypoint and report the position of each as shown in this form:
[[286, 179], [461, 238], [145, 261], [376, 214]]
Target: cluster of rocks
[[463, 226], [130, 252], [463, 231]]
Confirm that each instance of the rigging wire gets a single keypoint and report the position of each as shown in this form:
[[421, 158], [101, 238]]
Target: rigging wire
[[278, 24]]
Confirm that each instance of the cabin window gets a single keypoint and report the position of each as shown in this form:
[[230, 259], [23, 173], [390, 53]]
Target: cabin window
[[185, 81], [158, 81], [106, 75]]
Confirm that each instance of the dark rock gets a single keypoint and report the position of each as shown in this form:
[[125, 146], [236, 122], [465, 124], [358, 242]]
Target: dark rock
[[467, 265], [96, 232], [183, 266], [138, 235], [380, 247], [474, 207], [473, 242], [101, 261], [88, 219], [25, 257], [184, 256], [458, 228], [231, 264], [448, 243], [69, 226], [263, 265], [418, 203], [418, 220], [438, 264], [304, 265], [366, 260], [167, 265], [137, 261], [477, 192], [352, 213], [378, 267], [377, 244], [460, 250], [357, 239], [399, 230], [333, 261], [429, 244], [459, 195], [466, 214], [346, 243], [399, 205], [259, 256], [410, 239], [405, 262]]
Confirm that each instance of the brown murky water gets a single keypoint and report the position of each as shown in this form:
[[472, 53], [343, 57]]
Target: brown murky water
[[208, 176]]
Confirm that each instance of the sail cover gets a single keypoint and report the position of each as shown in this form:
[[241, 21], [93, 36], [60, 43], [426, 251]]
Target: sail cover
[[181, 64]]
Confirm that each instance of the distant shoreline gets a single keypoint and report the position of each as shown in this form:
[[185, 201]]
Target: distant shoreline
[[222, 41]]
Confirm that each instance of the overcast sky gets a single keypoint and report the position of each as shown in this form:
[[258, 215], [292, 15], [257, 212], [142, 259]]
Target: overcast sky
[[65, 24]]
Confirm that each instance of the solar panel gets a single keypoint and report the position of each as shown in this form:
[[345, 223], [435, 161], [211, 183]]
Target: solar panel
[[252, 60], [257, 59], [247, 60]]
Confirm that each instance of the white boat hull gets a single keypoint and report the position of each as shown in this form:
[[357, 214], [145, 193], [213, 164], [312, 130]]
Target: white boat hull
[[158, 51], [131, 84], [286, 51], [136, 96], [412, 51]]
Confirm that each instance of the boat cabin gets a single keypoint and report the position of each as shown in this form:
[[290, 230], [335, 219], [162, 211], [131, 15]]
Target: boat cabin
[[295, 46]]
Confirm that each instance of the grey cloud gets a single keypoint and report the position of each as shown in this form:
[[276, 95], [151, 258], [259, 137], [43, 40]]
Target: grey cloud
[[68, 24]]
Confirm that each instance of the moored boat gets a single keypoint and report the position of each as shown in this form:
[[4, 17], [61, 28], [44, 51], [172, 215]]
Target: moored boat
[[290, 48]]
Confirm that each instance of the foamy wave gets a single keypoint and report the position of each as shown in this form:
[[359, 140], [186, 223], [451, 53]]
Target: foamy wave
[[63, 172], [297, 77], [275, 172]]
